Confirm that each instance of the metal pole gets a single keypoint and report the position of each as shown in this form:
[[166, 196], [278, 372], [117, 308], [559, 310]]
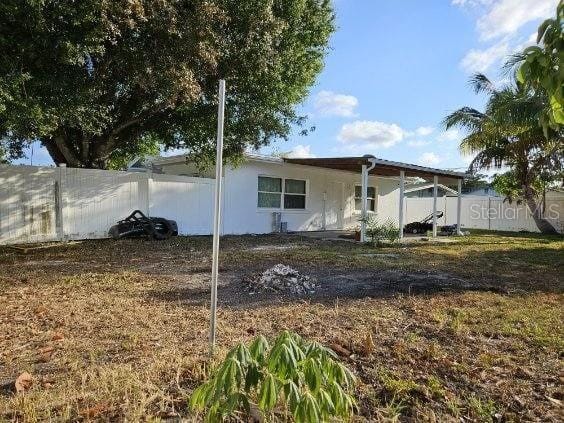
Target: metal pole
[[435, 193], [459, 208], [364, 194], [401, 199], [217, 213]]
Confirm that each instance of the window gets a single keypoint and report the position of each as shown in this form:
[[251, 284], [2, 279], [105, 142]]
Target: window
[[271, 190], [294, 194], [371, 196]]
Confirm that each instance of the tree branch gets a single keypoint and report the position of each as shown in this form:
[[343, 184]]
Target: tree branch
[[71, 158]]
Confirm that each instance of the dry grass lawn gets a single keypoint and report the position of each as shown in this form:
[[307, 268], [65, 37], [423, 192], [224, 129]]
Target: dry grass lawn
[[111, 330]]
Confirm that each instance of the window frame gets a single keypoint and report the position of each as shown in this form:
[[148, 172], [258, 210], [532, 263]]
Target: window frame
[[283, 193], [375, 198]]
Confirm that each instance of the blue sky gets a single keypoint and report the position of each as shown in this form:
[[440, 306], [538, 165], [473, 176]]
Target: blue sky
[[396, 68]]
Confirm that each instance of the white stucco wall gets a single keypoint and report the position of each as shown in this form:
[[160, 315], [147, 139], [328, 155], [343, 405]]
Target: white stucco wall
[[324, 187]]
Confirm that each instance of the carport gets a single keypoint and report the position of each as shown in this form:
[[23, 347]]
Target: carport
[[370, 165]]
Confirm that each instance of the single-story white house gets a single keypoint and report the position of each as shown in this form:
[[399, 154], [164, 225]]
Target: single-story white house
[[267, 193]]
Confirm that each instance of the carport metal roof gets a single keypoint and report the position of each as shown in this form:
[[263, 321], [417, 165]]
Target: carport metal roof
[[382, 168]]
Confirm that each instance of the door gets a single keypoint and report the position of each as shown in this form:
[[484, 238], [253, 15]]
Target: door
[[334, 205]]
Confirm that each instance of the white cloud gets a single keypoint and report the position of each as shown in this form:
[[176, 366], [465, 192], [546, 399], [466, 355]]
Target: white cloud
[[429, 159], [500, 23], [472, 3], [450, 135], [301, 151], [423, 131], [328, 103], [370, 134], [506, 17], [477, 60], [418, 143]]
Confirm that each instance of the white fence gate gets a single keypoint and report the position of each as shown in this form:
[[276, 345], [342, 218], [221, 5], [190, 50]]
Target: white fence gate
[[40, 204], [485, 212]]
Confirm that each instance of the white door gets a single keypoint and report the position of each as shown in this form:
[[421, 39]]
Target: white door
[[334, 205]]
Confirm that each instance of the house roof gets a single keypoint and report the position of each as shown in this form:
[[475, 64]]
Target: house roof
[[353, 164], [382, 167]]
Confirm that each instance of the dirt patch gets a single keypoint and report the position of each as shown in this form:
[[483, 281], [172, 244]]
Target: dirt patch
[[331, 284]]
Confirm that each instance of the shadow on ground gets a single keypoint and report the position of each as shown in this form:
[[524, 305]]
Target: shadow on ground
[[333, 284]]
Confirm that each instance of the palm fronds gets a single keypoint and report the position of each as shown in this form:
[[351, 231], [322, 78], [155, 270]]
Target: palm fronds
[[507, 132], [481, 84], [465, 117]]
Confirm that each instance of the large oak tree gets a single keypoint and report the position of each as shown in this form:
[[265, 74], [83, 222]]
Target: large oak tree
[[100, 80]]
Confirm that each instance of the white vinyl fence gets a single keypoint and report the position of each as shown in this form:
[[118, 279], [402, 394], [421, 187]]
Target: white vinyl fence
[[40, 204], [485, 212]]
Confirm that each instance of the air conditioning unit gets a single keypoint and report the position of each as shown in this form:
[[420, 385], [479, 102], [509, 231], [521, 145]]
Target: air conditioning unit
[[276, 220]]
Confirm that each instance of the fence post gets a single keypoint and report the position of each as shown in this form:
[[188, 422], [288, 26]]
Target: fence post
[[148, 197], [60, 185], [489, 213]]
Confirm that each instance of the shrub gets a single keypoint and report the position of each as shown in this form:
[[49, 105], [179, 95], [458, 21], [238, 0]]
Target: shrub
[[293, 375], [378, 231]]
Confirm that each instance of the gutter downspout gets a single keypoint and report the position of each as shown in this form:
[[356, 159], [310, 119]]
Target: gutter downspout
[[365, 171]]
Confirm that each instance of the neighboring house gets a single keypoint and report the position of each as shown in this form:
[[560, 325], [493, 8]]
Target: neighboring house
[[306, 194]]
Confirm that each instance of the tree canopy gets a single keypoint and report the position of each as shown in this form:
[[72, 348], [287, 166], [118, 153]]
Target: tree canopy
[[508, 185], [98, 81], [475, 181], [541, 67]]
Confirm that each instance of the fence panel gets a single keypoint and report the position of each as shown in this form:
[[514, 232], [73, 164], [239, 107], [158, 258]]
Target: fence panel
[[27, 204], [187, 200], [95, 199], [39, 204], [482, 212], [416, 209]]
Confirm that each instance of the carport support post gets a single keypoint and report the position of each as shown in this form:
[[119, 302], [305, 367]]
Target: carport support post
[[401, 199], [217, 213], [435, 193], [459, 208], [364, 188]]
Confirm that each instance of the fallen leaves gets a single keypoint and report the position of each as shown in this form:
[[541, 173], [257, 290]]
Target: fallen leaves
[[44, 354], [23, 382], [95, 411], [57, 336], [554, 401], [368, 345], [340, 350]]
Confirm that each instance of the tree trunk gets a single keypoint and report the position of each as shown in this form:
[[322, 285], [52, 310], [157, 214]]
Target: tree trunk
[[80, 154], [542, 224]]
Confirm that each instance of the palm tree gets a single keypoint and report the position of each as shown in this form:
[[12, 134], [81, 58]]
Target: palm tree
[[508, 133]]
